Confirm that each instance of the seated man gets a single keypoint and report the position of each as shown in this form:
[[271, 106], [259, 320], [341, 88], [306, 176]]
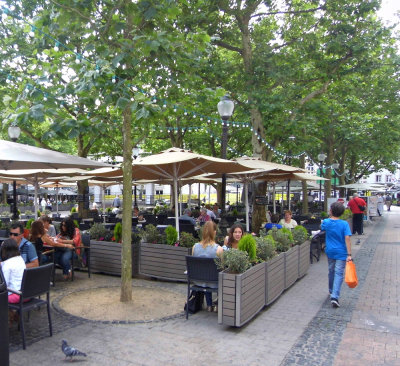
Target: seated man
[[187, 216], [26, 248]]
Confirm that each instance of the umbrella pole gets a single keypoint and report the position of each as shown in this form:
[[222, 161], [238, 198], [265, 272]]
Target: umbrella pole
[[246, 200], [103, 202], [36, 185], [288, 193], [273, 197], [57, 200], [176, 205]]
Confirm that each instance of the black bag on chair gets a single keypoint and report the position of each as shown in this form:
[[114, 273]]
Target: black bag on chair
[[196, 299]]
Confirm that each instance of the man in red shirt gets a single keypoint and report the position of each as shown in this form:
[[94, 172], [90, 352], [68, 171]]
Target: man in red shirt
[[355, 205]]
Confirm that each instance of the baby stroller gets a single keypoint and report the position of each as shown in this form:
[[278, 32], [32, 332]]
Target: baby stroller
[[317, 245]]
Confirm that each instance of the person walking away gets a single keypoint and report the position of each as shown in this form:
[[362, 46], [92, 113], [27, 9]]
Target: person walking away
[[388, 201], [338, 249], [356, 204], [117, 202]]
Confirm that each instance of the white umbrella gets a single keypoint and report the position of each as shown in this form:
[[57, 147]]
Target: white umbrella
[[175, 164]]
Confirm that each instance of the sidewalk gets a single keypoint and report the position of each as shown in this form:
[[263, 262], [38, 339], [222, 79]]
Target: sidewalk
[[300, 328]]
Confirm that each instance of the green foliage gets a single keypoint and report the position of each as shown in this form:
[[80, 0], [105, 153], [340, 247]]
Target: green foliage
[[29, 223], [186, 240], [347, 214], [233, 261], [323, 215], [108, 209], [118, 232], [265, 247], [300, 234], [38, 213], [135, 238], [76, 223], [151, 235], [248, 244], [172, 235], [73, 209], [97, 231], [282, 237]]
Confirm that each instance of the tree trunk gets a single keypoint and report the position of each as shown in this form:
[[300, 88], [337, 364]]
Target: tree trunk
[[126, 255], [83, 189], [5, 189]]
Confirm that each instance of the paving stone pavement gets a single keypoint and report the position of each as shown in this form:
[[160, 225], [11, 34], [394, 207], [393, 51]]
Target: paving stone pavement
[[300, 328]]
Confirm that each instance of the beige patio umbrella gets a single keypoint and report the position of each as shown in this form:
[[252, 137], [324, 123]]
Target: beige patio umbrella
[[175, 164]]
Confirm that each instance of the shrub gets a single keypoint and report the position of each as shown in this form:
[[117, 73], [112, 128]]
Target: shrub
[[265, 247], [29, 223], [172, 235], [323, 215], [186, 240], [347, 214], [135, 238], [300, 235], [282, 237], [118, 232], [151, 235], [97, 231], [233, 261], [38, 213], [248, 244], [73, 209]]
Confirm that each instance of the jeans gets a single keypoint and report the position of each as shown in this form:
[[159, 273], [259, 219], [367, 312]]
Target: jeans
[[63, 258], [208, 296], [336, 271]]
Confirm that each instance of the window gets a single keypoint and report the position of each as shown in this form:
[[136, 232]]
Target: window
[[378, 178], [388, 179]]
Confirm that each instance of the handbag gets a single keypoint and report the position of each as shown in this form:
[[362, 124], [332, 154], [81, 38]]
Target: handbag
[[362, 208], [195, 302], [351, 274]]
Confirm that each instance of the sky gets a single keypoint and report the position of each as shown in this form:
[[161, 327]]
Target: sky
[[389, 10]]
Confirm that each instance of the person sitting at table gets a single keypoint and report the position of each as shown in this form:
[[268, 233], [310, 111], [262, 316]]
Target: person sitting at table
[[203, 216], [135, 211], [69, 238], [288, 222], [216, 210], [26, 248], [50, 229], [234, 235], [209, 249], [40, 237], [187, 216], [13, 266], [273, 223]]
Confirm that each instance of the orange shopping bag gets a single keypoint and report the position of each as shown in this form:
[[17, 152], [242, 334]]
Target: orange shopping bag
[[351, 274]]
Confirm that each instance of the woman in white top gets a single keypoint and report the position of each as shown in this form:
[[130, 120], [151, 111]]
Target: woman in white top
[[13, 267], [288, 222]]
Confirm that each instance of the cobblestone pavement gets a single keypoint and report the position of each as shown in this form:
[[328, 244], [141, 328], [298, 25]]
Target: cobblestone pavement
[[300, 328]]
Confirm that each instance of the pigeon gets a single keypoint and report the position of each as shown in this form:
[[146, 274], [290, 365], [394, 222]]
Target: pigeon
[[70, 351]]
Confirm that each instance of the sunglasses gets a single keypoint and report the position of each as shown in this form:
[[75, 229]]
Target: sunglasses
[[15, 234]]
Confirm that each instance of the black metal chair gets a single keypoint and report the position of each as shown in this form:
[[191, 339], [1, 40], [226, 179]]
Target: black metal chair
[[200, 270], [35, 282]]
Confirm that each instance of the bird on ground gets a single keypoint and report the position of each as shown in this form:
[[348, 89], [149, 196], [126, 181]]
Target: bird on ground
[[70, 351]]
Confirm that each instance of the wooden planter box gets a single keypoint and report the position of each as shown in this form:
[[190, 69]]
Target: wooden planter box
[[274, 278], [291, 266], [105, 257], [241, 296], [163, 261], [304, 258]]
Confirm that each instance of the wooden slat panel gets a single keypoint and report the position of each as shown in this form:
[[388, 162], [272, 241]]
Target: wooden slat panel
[[228, 321]]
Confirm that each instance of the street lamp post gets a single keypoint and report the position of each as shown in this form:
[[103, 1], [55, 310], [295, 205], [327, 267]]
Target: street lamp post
[[13, 133], [135, 154], [225, 110], [291, 139], [321, 159], [334, 167]]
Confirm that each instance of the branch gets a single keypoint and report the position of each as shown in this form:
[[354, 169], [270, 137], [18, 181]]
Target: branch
[[73, 10], [36, 139], [228, 46], [289, 12]]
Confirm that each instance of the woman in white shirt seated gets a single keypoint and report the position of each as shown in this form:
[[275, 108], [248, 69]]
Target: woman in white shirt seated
[[288, 222]]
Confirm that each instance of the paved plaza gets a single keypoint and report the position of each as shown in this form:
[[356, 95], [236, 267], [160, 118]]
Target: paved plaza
[[300, 328]]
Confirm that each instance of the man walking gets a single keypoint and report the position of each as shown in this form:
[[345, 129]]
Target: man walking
[[358, 207], [388, 201], [117, 202]]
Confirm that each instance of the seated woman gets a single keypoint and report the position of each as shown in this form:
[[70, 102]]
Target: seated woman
[[209, 249], [13, 266], [204, 217], [288, 222], [39, 237], [66, 240], [234, 235], [273, 223], [49, 228]]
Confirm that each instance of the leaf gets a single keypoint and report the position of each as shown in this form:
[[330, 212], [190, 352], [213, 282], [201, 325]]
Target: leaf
[[122, 102]]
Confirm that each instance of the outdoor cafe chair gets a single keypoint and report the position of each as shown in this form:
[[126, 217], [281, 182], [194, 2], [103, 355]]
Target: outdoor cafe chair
[[35, 283], [200, 270]]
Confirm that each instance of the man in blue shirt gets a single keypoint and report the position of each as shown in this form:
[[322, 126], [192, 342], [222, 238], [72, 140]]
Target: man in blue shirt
[[338, 249], [187, 216], [26, 248]]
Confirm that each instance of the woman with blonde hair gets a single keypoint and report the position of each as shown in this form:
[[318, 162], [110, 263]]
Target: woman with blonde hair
[[207, 248], [288, 222]]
